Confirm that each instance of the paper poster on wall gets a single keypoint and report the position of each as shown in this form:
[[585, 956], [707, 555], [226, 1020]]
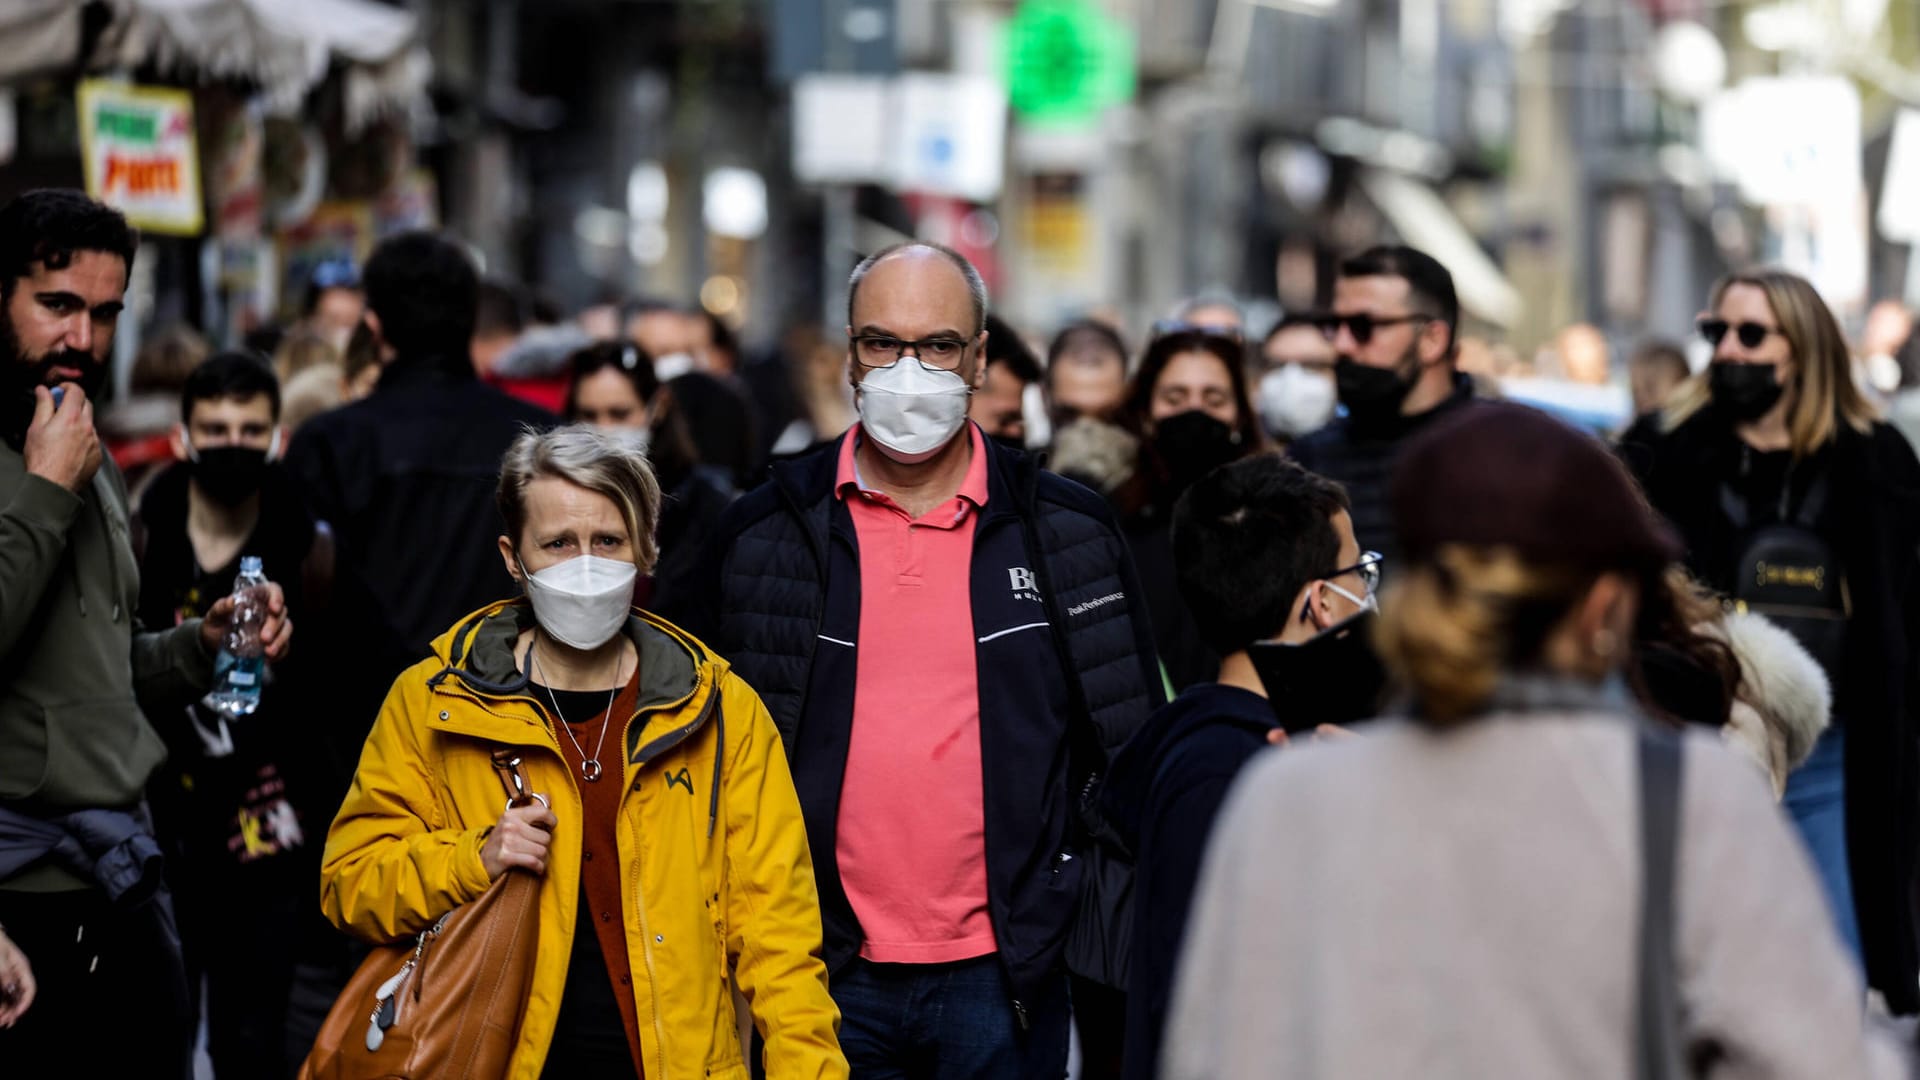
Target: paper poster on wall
[[140, 154]]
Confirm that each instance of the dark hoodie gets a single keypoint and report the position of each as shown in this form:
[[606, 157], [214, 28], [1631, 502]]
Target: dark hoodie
[[1163, 795]]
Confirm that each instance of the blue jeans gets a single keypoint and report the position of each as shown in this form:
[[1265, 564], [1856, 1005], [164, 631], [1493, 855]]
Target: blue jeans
[[1817, 800], [947, 1022]]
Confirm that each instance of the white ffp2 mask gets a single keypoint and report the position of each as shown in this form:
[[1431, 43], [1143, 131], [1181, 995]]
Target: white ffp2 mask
[[910, 410], [1295, 401], [584, 601]]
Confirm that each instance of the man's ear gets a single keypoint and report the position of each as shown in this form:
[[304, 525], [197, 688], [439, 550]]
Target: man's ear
[[380, 339], [177, 442], [1436, 341]]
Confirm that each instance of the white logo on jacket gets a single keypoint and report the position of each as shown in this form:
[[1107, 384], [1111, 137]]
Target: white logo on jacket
[[1024, 585]]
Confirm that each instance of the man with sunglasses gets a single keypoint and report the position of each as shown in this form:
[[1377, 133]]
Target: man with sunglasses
[[932, 619], [1268, 561], [1395, 324]]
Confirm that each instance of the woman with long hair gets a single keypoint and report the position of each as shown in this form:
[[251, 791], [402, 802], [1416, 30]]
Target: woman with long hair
[[1189, 407], [1521, 874], [1795, 501]]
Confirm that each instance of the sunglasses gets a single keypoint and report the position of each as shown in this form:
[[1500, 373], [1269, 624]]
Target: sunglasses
[[1167, 328], [1363, 326], [1749, 334]]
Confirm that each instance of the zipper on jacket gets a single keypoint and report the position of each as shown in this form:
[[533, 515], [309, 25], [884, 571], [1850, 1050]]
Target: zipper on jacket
[[653, 982], [1020, 1014]]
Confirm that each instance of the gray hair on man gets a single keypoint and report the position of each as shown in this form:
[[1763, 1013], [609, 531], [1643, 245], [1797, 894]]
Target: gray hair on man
[[588, 459], [976, 286]]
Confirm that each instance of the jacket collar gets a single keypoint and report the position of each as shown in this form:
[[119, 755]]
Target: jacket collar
[[809, 479], [677, 677]]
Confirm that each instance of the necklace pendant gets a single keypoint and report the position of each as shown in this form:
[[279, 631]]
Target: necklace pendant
[[590, 769]]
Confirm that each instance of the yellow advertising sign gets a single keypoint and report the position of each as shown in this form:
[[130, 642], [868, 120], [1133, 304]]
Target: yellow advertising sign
[[140, 154]]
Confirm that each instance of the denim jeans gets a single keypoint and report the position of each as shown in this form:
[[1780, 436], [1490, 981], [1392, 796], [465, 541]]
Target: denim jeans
[[1817, 801], [948, 1022]]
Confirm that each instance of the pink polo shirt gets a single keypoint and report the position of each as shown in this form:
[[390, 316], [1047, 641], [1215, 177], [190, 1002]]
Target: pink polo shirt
[[912, 830]]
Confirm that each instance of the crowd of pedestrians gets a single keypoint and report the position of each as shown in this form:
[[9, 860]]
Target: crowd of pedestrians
[[1229, 706]]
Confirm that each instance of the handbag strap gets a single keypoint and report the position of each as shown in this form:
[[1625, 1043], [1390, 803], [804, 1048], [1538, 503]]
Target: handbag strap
[[506, 762], [1658, 1012]]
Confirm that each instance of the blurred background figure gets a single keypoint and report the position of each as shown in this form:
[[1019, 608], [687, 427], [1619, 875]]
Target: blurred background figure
[[1654, 371], [335, 302], [1883, 345], [1584, 356], [1794, 500], [1190, 409], [615, 390], [999, 405], [1293, 379], [1576, 382], [137, 429], [1086, 371], [1219, 312]]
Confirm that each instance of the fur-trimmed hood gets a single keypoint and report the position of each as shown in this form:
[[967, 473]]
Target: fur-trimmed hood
[[1784, 701]]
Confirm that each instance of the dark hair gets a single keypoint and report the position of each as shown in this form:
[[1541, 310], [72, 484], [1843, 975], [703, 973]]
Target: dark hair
[[1153, 364], [1005, 346], [672, 453], [976, 287], [235, 375], [1246, 539], [720, 336], [1428, 282], [500, 308], [1660, 353], [1074, 332], [425, 292], [1682, 671], [1288, 321], [48, 226]]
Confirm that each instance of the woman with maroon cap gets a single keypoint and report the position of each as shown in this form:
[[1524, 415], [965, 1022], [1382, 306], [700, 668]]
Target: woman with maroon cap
[[1795, 501], [1518, 875]]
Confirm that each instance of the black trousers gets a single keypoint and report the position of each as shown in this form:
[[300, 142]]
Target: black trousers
[[112, 997]]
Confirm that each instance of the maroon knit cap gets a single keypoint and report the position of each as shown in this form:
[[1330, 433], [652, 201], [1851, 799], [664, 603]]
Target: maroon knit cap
[[1500, 474]]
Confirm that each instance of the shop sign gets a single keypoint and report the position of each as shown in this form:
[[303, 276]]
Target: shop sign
[[140, 154]]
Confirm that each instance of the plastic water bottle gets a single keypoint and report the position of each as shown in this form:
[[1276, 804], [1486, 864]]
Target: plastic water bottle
[[241, 666]]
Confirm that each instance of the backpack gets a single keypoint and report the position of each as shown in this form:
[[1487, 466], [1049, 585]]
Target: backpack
[[1787, 571]]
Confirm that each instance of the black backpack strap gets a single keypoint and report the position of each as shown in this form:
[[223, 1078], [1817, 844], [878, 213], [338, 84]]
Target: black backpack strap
[[1657, 1018]]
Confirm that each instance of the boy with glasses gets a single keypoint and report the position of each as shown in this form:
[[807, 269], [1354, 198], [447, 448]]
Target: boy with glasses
[[1267, 558]]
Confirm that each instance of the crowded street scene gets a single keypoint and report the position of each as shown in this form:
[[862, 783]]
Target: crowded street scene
[[1126, 539]]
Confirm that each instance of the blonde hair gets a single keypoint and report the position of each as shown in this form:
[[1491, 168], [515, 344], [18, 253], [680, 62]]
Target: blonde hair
[[1451, 625], [302, 350], [587, 459], [1826, 395]]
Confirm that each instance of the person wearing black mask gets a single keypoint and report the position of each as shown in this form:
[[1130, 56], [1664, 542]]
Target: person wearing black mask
[[1189, 404], [240, 806], [1268, 564], [1797, 502], [1395, 324]]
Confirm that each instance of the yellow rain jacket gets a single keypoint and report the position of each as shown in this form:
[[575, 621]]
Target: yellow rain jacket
[[722, 883]]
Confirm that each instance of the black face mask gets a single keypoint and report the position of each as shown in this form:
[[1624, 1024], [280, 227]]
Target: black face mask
[[1370, 393], [1745, 392], [1193, 444], [229, 474], [1336, 678]]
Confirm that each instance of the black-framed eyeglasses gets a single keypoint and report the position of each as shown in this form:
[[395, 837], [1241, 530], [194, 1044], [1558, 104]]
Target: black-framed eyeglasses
[[1362, 326], [1749, 334], [941, 351], [1369, 569], [1167, 328]]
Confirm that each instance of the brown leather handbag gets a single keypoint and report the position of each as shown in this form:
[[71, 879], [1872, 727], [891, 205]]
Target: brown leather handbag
[[446, 1003]]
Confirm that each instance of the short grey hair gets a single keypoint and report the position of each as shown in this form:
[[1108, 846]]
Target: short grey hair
[[585, 458], [976, 286]]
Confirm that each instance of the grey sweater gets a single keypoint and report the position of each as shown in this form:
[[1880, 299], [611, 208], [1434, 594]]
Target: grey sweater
[[75, 672], [1465, 904]]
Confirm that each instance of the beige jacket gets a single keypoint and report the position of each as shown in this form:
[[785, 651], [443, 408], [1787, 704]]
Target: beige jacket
[[1464, 905]]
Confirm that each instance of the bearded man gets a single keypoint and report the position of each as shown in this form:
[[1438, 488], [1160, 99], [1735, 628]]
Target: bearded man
[[80, 875]]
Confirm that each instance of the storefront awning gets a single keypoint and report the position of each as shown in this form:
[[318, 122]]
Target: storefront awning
[[1424, 221], [284, 45]]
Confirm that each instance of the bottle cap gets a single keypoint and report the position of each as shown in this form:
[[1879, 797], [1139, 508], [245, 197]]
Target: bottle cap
[[250, 564]]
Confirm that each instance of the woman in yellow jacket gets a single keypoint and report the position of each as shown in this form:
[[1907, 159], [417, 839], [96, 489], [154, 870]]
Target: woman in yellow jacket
[[673, 855]]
